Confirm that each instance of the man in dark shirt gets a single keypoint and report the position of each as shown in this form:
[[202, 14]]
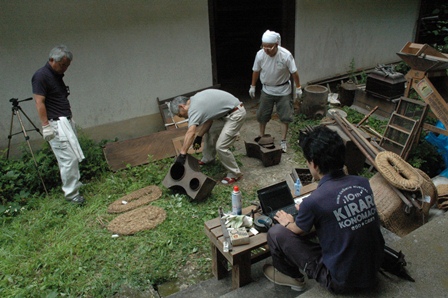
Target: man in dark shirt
[[58, 128], [342, 212]]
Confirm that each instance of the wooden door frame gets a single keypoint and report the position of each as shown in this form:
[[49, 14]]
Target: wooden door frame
[[288, 31]]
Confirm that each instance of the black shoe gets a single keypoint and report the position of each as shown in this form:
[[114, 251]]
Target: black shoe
[[79, 200]]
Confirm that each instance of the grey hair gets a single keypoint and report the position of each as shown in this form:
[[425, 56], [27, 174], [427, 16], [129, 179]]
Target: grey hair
[[173, 105], [59, 52]]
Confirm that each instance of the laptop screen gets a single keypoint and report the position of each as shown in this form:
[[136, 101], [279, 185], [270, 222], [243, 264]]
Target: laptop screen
[[275, 197]]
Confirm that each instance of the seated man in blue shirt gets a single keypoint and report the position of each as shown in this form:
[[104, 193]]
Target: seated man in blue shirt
[[342, 211]]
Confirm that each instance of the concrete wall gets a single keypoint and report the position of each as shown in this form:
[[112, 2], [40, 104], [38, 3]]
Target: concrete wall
[[330, 34], [126, 54]]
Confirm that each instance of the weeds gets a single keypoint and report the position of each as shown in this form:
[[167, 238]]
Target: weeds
[[356, 76]]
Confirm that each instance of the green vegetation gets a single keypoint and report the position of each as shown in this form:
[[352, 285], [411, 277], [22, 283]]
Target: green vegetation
[[50, 248], [356, 76]]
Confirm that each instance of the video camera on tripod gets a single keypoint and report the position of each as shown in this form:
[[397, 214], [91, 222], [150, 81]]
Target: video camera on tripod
[[15, 101], [16, 109]]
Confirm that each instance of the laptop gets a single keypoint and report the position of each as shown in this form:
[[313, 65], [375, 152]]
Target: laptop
[[276, 197]]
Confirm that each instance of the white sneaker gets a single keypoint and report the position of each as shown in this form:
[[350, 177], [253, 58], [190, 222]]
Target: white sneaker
[[282, 279], [283, 145]]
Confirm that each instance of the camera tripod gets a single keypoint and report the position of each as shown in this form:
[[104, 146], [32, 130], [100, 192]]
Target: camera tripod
[[16, 109]]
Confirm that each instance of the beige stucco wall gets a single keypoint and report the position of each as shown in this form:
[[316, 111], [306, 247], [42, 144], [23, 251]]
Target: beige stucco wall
[[330, 34], [128, 53]]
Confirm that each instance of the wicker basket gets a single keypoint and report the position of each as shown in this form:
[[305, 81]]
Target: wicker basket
[[391, 208], [427, 189], [442, 199]]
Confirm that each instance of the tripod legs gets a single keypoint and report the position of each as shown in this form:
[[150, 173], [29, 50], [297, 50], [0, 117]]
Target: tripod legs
[[10, 134], [16, 111]]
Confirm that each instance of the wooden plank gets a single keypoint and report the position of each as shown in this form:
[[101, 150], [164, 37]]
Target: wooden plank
[[262, 254], [367, 102], [309, 188], [241, 270], [429, 93], [135, 152], [219, 263], [435, 129]]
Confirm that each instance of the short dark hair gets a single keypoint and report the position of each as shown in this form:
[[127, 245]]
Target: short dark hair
[[325, 148]]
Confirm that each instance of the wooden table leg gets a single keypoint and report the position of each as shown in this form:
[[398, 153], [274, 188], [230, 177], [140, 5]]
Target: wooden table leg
[[241, 270], [219, 263]]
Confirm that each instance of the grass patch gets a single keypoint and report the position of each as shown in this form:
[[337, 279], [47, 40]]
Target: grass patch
[[52, 248]]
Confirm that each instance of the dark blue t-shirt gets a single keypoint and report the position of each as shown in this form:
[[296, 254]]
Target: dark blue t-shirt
[[48, 83], [345, 216]]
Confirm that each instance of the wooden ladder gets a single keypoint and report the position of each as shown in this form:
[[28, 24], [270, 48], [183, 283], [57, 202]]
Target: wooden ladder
[[404, 126]]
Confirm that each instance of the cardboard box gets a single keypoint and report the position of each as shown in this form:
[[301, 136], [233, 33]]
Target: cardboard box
[[239, 236]]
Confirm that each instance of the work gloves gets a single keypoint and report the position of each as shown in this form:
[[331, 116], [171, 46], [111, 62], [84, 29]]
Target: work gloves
[[48, 132], [197, 143], [298, 92], [252, 92], [237, 221], [181, 158]]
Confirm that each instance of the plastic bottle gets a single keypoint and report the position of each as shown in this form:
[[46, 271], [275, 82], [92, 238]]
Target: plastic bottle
[[297, 187], [236, 201]]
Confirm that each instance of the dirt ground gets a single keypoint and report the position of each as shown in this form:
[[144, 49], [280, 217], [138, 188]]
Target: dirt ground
[[255, 174]]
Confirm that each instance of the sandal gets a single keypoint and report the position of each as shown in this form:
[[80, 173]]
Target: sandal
[[228, 180]]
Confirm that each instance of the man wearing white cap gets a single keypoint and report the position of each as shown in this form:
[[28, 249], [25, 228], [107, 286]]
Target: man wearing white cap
[[274, 65]]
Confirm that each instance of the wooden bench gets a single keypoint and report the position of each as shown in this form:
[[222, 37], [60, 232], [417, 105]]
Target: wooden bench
[[241, 257]]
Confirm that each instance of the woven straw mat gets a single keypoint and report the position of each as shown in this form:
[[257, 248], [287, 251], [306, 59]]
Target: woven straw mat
[[131, 222], [135, 199], [397, 171]]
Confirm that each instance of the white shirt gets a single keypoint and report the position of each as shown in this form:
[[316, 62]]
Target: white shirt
[[275, 71]]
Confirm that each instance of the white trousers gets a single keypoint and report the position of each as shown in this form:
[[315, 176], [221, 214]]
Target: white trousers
[[67, 160]]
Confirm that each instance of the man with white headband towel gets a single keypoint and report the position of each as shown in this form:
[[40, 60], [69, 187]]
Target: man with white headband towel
[[274, 65]]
